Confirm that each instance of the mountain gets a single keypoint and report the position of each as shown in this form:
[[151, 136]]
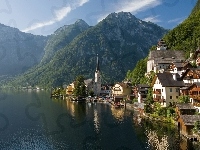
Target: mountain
[[186, 36], [19, 51], [120, 40], [62, 37]]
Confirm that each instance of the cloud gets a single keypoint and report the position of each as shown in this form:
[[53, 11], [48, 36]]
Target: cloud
[[133, 6], [176, 20], [58, 16], [153, 19]]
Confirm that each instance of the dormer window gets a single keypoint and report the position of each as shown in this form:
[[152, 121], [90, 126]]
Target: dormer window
[[173, 58]]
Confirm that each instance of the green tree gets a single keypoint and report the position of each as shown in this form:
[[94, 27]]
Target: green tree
[[184, 99], [196, 126], [91, 93], [79, 87], [137, 75]]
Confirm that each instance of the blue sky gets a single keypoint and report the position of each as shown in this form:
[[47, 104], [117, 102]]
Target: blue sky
[[43, 17]]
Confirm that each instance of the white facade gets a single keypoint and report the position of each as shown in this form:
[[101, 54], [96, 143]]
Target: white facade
[[97, 79], [168, 94]]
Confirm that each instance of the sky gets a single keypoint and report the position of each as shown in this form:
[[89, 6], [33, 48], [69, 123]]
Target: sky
[[43, 17]]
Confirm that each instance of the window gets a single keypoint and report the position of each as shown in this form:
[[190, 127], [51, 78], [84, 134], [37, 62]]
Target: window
[[162, 90], [170, 97], [170, 89], [176, 97], [177, 89]]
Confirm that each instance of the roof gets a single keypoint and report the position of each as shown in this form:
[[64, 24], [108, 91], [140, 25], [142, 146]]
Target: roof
[[124, 85], [185, 106], [166, 79], [88, 81], [166, 54], [143, 86], [190, 119], [193, 70]]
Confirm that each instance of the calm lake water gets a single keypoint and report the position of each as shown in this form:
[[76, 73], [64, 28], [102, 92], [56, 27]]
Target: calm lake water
[[31, 120]]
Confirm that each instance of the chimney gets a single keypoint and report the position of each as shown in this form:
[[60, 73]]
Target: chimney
[[174, 76]]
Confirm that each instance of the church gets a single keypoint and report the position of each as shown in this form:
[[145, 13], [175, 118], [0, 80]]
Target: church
[[95, 84]]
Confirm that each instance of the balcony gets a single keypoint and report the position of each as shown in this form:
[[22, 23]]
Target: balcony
[[195, 97], [196, 104], [157, 92]]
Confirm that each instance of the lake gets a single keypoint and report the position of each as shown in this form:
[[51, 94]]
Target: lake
[[32, 120]]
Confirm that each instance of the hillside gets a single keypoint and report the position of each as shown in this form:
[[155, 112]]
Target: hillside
[[186, 36], [19, 51], [120, 40]]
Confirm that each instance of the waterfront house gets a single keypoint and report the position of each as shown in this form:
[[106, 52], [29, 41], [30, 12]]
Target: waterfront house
[[121, 89], [106, 90], [186, 123], [193, 92], [160, 59], [141, 91], [166, 88], [185, 109], [70, 88]]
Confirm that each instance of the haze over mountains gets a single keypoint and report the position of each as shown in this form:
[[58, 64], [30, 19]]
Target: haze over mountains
[[120, 40], [19, 51]]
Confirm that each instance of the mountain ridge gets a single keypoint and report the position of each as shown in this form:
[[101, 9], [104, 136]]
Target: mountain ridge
[[119, 40]]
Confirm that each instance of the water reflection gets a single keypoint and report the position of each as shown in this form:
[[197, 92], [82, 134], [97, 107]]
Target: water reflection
[[118, 113], [96, 121], [78, 126]]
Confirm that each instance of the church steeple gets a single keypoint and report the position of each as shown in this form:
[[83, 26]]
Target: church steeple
[[97, 67], [97, 79]]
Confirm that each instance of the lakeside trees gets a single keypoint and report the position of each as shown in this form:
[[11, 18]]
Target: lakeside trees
[[79, 87]]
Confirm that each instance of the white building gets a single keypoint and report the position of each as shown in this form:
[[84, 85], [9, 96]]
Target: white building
[[166, 88], [160, 59]]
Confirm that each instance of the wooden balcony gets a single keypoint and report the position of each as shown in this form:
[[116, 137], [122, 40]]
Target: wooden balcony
[[195, 97], [157, 92], [158, 99], [196, 104]]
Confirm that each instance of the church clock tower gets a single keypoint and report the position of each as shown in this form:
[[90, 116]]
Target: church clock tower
[[97, 79]]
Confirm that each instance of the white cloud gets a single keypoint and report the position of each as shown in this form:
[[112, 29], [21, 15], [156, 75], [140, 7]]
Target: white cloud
[[176, 20], [134, 7], [137, 5], [153, 19], [58, 16]]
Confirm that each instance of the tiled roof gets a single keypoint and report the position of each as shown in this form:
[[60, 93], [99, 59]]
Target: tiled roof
[[164, 54], [88, 81], [185, 106], [166, 79], [194, 70], [143, 86], [190, 119]]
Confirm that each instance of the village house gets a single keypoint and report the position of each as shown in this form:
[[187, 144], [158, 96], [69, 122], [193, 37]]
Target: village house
[[193, 91], [185, 109], [69, 89], [179, 67], [106, 90], [191, 75], [140, 92], [166, 88], [186, 123], [121, 89], [160, 59]]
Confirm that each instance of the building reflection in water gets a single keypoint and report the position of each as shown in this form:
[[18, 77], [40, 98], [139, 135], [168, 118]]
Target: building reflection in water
[[96, 121], [156, 142], [117, 113]]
